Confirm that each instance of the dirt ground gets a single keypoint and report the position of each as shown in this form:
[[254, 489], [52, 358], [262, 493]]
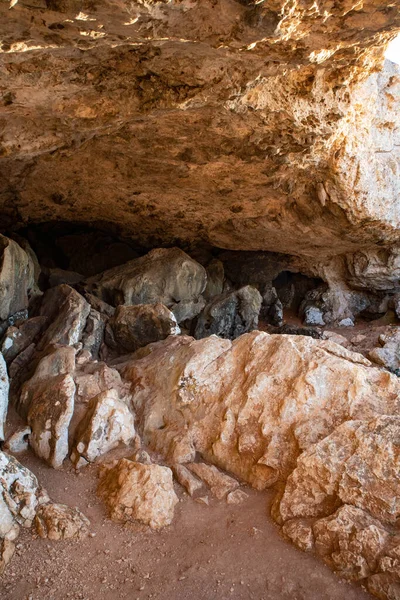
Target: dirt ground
[[208, 553]]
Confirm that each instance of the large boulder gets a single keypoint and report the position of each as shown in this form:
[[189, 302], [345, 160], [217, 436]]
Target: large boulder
[[47, 402], [106, 424], [253, 405], [4, 391], [135, 326], [230, 315], [165, 275], [136, 492], [17, 278], [67, 312]]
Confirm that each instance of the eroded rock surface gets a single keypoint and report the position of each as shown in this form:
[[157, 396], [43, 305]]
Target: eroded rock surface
[[60, 522], [4, 391], [134, 491]]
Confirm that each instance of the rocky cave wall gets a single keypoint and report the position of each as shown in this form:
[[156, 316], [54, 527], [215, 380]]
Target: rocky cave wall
[[174, 169]]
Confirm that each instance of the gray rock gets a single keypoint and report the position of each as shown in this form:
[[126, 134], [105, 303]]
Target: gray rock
[[313, 316], [165, 275], [135, 326], [215, 279], [348, 322], [188, 309], [230, 315], [93, 335], [4, 392], [17, 278], [17, 339], [271, 309], [67, 311]]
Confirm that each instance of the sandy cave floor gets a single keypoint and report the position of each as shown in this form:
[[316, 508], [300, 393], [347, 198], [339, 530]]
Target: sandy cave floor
[[209, 552]]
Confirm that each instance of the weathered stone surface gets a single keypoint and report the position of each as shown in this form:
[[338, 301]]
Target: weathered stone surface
[[60, 522], [167, 276], [18, 441], [351, 541], [251, 406], [106, 424], [17, 339], [67, 311], [133, 491], [17, 278], [219, 483], [215, 279], [388, 355], [271, 309], [4, 391], [93, 334], [300, 532], [357, 464], [135, 326], [187, 480], [93, 378], [230, 315], [20, 496], [49, 416], [57, 277], [59, 361], [236, 497]]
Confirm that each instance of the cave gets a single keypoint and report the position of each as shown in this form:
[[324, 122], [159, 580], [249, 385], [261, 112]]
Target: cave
[[199, 300]]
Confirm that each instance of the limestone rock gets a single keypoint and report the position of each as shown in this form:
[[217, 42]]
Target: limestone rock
[[59, 276], [93, 378], [136, 326], [230, 315], [18, 441], [219, 483], [4, 391], [357, 464], [272, 309], [166, 276], [145, 493], [388, 355], [236, 497], [60, 522], [300, 532], [17, 278], [20, 496], [93, 334], [107, 424], [188, 309], [49, 416], [351, 541], [7, 549], [58, 361], [17, 339], [253, 405], [100, 306], [187, 480], [67, 311], [215, 279]]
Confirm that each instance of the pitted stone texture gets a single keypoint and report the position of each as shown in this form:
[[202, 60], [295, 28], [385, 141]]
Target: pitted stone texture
[[133, 491], [187, 479], [251, 406], [4, 392], [106, 424], [135, 326], [357, 464], [20, 496], [60, 522], [168, 276]]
